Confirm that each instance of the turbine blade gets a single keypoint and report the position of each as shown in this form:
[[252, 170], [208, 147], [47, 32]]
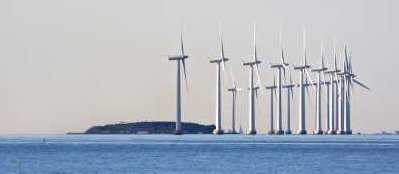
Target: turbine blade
[[255, 53], [224, 71], [222, 54], [292, 92], [350, 62], [221, 41], [361, 84], [304, 46], [256, 95], [232, 77], [181, 40], [258, 75], [321, 53], [282, 49], [308, 75], [335, 55], [344, 61], [185, 74]]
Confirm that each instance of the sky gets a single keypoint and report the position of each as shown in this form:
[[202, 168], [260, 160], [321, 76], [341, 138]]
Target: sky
[[68, 65]]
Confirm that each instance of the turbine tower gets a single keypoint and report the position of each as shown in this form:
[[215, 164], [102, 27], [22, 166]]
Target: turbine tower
[[303, 69], [180, 59], [219, 62], [280, 66], [320, 73], [252, 65], [272, 91], [290, 95]]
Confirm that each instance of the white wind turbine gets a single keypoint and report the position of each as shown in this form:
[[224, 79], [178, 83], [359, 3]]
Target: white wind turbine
[[281, 66], [333, 92], [219, 62], [234, 89], [342, 95], [350, 79], [303, 69], [180, 59], [272, 91], [290, 95], [252, 89], [320, 74]]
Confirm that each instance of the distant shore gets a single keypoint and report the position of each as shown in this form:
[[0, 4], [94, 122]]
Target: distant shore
[[153, 127]]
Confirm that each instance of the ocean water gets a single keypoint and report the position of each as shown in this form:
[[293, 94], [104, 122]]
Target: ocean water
[[125, 154]]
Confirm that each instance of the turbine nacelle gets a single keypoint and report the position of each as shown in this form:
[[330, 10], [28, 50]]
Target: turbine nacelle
[[252, 63], [302, 67], [332, 71], [178, 57], [219, 60], [280, 65], [289, 86], [271, 87], [319, 70]]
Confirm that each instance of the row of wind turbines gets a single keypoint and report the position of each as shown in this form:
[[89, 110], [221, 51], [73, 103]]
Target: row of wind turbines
[[338, 84]]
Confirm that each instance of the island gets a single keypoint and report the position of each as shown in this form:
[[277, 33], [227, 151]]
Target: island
[[153, 127]]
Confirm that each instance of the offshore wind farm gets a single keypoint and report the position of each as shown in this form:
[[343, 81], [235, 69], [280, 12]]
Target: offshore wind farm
[[339, 100], [193, 87]]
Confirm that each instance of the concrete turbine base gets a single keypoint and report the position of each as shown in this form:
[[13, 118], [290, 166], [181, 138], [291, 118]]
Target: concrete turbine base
[[302, 132], [279, 132], [178, 132], [251, 132], [288, 132], [342, 132], [271, 132], [349, 132], [318, 132], [332, 132], [218, 132]]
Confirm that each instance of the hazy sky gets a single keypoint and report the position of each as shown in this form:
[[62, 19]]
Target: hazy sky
[[69, 65]]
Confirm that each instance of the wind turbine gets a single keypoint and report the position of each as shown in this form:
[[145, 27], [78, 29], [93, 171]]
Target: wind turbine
[[290, 95], [272, 91], [320, 73], [303, 69], [342, 95], [280, 66], [253, 65], [333, 95], [350, 79], [180, 59], [234, 89], [219, 62]]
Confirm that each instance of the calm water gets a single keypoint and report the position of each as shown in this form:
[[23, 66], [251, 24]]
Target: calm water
[[120, 154]]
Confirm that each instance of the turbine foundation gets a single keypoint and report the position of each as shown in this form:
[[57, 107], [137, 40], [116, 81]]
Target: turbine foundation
[[302, 132], [251, 132], [279, 132], [178, 132], [271, 132], [341, 132], [318, 132], [218, 132], [332, 132], [349, 132], [288, 132]]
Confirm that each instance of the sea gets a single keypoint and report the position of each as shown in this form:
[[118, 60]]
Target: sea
[[199, 154]]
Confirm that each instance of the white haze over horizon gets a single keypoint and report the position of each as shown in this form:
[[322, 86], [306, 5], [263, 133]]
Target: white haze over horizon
[[69, 65]]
